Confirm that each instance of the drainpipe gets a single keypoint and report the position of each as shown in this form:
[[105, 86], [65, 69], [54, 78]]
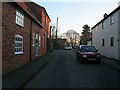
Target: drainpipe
[[31, 40]]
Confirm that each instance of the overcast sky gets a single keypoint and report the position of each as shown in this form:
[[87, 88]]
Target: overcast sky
[[73, 15]]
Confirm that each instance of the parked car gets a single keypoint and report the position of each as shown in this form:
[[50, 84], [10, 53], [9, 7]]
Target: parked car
[[68, 48], [88, 54], [75, 47]]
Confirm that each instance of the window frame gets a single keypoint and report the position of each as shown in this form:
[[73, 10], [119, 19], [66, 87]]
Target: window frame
[[17, 43], [111, 19], [103, 24], [103, 42], [44, 21], [39, 41], [44, 40], [33, 38], [19, 18], [112, 41]]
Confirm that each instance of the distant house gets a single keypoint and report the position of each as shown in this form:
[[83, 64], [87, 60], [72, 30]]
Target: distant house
[[106, 35], [89, 42], [25, 29], [61, 43]]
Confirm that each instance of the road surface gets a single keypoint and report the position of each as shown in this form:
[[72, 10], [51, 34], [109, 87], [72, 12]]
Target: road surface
[[65, 71]]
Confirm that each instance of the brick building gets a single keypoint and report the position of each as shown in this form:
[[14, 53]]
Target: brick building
[[25, 30], [61, 43]]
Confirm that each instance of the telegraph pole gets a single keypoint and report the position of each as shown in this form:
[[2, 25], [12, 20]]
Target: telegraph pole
[[56, 33]]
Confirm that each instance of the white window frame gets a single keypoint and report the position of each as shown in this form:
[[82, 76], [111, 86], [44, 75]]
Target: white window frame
[[103, 24], [19, 18], [39, 40], [111, 20], [18, 44], [33, 39]]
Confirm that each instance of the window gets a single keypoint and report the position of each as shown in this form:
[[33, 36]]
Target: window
[[44, 20], [39, 40], [44, 40], [112, 41], [19, 18], [103, 25], [18, 44], [111, 19], [33, 39], [102, 42]]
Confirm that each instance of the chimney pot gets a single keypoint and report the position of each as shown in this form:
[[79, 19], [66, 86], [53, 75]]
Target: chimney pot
[[105, 15]]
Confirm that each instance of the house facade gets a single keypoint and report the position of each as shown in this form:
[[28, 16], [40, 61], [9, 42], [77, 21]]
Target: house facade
[[106, 35], [24, 34], [61, 43]]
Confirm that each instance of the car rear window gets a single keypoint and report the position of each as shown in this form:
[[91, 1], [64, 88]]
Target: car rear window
[[88, 49]]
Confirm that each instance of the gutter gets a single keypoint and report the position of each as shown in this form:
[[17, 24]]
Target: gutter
[[31, 40]]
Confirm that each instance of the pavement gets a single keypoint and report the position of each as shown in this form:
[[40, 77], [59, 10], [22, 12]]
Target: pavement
[[19, 76], [115, 64]]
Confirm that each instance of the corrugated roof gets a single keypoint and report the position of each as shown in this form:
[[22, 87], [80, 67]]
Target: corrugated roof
[[118, 8]]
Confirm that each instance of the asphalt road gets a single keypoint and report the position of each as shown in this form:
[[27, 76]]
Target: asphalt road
[[65, 71]]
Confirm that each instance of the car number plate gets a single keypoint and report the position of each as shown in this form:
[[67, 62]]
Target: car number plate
[[92, 59]]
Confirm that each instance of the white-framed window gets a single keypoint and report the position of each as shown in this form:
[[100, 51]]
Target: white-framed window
[[103, 25], [44, 40], [112, 19], [39, 41], [18, 44], [33, 39], [19, 18]]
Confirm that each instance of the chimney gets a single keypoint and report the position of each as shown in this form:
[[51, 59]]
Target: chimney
[[118, 3], [105, 15]]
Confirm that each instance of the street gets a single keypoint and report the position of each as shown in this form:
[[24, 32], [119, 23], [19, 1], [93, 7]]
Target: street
[[65, 71]]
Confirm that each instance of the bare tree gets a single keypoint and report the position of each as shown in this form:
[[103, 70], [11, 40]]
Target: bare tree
[[72, 37]]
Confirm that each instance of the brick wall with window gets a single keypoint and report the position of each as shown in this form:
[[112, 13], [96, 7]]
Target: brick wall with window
[[36, 29], [15, 38], [16, 26]]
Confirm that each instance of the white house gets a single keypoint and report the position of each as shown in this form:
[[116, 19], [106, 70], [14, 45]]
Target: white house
[[106, 35]]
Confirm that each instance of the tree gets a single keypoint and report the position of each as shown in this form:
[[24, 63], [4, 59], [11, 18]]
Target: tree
[[86, 34], [72, 37]]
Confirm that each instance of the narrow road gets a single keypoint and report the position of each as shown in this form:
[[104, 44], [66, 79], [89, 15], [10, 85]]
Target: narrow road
[[64, 71]]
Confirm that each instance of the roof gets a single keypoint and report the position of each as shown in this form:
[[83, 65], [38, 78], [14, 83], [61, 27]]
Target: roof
[[118, 8], [22, 4], [44, 9]]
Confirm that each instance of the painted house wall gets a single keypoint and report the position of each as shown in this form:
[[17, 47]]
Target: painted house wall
[[106, 33], [89, 43], [119, 34]]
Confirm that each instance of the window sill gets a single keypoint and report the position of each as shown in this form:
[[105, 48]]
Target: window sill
[[20, 25], [18, 52], [111, 23]]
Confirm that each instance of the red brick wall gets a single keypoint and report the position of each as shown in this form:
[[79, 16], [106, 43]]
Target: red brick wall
[[36, 29], [10, 60]]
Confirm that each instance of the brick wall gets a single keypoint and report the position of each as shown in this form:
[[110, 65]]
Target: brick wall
[[36, 29], [10, 60]]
